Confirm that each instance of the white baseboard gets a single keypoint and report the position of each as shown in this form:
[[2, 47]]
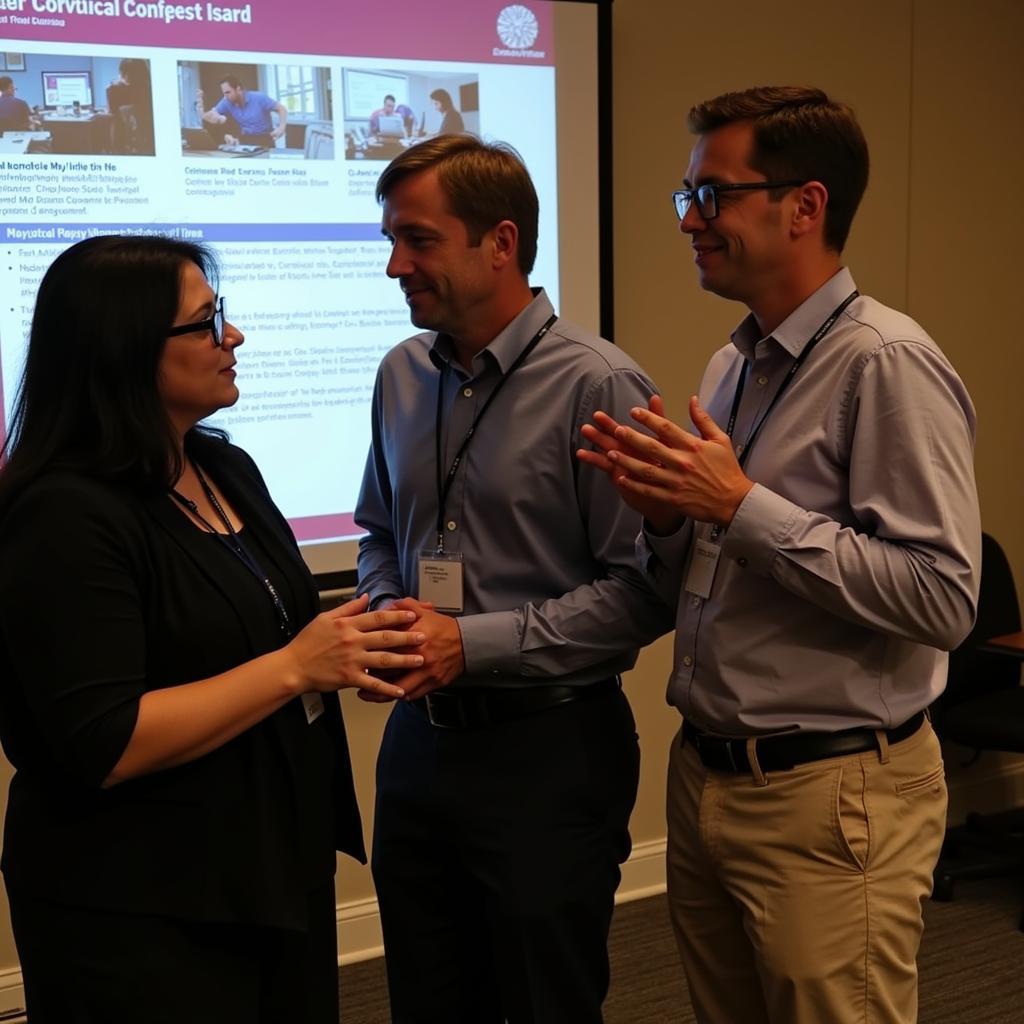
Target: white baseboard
[[984, 787], [12, 995], [359, 931]]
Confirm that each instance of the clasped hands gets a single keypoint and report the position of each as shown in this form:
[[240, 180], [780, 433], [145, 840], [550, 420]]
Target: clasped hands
[[673, 475], [441, 650]]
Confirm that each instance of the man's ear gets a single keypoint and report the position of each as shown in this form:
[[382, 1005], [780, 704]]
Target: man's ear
[[504, 242], [809, 211]]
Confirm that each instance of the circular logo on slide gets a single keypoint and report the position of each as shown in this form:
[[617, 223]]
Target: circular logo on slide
[[517, 27]]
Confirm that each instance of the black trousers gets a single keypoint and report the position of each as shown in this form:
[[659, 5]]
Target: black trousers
[[496, 857], [84, 966]]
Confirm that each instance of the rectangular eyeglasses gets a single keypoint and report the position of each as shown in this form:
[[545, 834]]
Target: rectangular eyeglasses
[[213, 324], [706, 196]]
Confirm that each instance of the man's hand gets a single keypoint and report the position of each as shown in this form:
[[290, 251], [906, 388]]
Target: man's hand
[[443, 660], [602, 434], [675, 474], [278, 131]]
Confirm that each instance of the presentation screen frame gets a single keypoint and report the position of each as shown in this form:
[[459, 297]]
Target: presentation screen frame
[[155, 84]]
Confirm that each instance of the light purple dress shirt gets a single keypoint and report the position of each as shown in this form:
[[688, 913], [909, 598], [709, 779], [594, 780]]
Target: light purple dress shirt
[[853, 563]]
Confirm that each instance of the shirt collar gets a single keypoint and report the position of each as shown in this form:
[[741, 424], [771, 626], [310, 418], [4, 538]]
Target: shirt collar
[[798, 328], [506, 347]]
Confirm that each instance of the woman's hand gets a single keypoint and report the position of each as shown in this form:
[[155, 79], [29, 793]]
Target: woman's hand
[[345, 646]]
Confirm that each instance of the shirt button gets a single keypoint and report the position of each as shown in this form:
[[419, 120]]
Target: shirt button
[[694, 601], [451, 524], [739, 448], [687, 660], [741, 562], [468, 392], [762, 380]]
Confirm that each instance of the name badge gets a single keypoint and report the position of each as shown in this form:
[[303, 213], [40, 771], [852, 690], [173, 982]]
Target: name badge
[[440, 575], [703, 563], [313, 705]]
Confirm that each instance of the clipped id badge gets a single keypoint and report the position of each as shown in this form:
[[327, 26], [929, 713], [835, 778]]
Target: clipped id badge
[[440, 575], [700, 577]]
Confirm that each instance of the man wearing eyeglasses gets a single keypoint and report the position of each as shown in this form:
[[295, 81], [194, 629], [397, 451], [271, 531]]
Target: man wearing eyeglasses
[[817, 526]]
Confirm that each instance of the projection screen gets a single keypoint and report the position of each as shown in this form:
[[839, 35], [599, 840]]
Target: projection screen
[[260, 128]]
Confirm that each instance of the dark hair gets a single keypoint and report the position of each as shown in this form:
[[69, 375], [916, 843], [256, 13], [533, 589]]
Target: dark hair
[[6, 82], [231, 80], [484, 183], [444, 97], [390, 97], [799, 133], [88, 399]]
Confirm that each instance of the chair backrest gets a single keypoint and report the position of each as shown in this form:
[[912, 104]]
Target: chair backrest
[[319, 140], [973, 673]]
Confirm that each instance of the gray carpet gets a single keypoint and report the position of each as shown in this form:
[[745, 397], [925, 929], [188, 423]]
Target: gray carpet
[[971, 963]]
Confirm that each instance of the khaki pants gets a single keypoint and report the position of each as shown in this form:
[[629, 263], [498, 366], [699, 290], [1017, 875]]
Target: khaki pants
[[796, 897]]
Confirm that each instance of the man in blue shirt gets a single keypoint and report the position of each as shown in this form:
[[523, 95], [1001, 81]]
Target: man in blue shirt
[[249, 109], [15, 115], [392, 109], [506, 777]]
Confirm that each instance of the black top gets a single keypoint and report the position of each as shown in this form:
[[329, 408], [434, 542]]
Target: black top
[[105, 595], [451, 123]]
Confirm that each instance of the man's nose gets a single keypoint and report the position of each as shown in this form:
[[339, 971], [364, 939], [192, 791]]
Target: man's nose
[[398, 263], [692, 221]]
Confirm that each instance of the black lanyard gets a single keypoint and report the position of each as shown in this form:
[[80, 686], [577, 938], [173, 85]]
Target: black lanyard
[[797, 363], [234, 544], [444, 485]]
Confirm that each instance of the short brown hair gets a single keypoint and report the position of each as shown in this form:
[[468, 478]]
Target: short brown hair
[[484, 183], [799, 133]]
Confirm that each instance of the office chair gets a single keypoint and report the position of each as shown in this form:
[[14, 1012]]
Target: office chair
[[983, 709], [319, 140]]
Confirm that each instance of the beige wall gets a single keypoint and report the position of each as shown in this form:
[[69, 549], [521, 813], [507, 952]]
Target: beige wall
[[937, 84]]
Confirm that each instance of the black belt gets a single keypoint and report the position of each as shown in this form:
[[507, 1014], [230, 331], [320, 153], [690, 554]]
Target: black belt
[[780, 753], [479, 708]]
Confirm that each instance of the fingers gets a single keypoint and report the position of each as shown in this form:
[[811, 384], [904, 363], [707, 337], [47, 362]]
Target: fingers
[[708, 428], [602, 440], [382, 618], [387, 639], [353, 607], [380, 690], [374, 698], [656, 405], [639, 470], [667, 432], [419, 684], [596, 459]]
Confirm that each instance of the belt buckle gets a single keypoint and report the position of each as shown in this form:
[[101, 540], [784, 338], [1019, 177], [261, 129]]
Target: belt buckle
[[441, 717], [432, 716]]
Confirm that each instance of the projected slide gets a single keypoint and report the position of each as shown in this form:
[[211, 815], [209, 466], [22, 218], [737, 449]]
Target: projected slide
[[261, 128]]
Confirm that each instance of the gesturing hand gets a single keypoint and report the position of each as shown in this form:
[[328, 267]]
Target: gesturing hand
[[674, 474], [344, 646]]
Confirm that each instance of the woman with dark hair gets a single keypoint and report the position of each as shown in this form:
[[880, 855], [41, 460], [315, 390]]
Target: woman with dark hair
[[451, 121], [167, 688], [130, 102]]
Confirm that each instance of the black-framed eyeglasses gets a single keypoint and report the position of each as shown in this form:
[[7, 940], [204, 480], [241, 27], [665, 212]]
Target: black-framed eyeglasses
[[213, 324], [706, 196]]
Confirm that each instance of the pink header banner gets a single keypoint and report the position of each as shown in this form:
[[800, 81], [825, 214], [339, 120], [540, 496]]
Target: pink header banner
[[475, 31]]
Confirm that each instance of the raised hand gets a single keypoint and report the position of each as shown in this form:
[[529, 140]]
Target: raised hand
[[672, 475]]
